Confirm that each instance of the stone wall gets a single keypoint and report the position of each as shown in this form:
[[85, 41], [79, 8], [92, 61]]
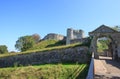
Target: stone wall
[[68, 55], [54, 36], [82, 40], [105, 31], [73, 34]]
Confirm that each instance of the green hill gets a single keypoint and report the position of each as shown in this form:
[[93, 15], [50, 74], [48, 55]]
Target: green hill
[[47, 44]]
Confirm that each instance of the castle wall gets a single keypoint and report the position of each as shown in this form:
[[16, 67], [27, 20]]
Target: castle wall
[[73, 35], [54, 36], [73, 55], [118, 50]]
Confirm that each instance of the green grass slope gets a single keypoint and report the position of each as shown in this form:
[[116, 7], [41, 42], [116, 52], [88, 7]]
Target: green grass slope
[[47, 43], [42, 49], [49, 71]]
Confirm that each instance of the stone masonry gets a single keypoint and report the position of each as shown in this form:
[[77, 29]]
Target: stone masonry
[[73, 35], [53, 36], [105, 31], [73, 55]]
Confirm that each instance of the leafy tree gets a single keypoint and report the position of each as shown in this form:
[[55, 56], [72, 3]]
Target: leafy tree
[[3, 49], [36, 37], [103, 44], [24, 43], [117, 28]]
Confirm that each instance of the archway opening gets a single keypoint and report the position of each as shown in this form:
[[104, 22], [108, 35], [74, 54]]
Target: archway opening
[[104, 46]]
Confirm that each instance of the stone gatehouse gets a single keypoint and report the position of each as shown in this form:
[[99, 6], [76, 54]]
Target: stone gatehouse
[[105, 31]]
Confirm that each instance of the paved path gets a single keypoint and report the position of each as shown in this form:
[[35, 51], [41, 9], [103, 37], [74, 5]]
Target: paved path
[[106, 68]]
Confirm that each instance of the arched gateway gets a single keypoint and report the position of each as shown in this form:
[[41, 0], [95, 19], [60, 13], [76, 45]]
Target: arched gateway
[[105, 31]]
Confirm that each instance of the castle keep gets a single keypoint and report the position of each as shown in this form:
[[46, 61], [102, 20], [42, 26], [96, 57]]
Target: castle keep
[[74, 35]]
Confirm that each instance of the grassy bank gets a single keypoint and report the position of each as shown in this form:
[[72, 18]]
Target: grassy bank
[[42, 50], [50, 71], [47, 44]]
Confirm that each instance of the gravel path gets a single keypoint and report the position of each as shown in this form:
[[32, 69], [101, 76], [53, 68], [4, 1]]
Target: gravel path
[[106, 68]]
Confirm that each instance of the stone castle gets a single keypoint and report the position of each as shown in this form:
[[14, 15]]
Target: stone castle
[[53, 36], [72, 36]]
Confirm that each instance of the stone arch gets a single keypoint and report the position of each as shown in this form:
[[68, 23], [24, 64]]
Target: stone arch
[[109, 33], [94, 43]]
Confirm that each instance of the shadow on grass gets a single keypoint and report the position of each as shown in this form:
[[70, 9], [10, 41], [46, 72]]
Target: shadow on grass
[[83, 73], [80, 72], [59, 43]]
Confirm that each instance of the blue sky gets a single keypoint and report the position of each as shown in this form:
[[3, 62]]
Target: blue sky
[[25, 17]]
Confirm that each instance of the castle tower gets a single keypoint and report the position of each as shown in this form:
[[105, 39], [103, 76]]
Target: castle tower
[[73, 35], [69, 35], [81, 32]]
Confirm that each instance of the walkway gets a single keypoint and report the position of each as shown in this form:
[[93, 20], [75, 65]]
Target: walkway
[[106, 68]]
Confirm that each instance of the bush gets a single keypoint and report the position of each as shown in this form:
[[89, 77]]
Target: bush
[[3, 49]]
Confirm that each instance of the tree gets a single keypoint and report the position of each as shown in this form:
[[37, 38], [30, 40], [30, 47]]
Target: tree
[[117, 28], [24, 43], [3, 49], [103, 43], [36, 37]]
